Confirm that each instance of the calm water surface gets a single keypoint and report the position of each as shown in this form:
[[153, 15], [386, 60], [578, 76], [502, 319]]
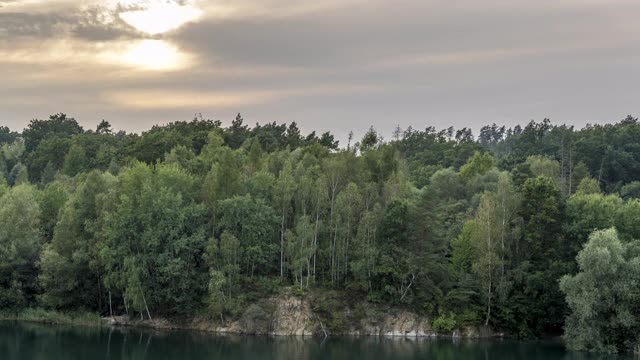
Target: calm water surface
[[41, 342]]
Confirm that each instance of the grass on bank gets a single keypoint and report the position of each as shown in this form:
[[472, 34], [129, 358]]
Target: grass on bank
[[53, 317]]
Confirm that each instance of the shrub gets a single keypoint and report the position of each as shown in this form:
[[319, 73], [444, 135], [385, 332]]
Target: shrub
[[445, 323], [55, 317]]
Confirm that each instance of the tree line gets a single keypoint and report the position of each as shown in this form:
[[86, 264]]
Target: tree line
[[193, 217]]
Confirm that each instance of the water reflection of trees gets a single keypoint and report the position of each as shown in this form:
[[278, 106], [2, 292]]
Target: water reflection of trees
[[36, 341]]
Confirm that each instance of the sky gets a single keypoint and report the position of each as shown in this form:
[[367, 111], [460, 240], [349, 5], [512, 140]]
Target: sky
[[339, 65]]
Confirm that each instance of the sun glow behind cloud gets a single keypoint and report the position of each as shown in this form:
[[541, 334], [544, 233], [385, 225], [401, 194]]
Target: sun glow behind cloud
[[157, 17], [142, 55], [146, 50], [148, 55]]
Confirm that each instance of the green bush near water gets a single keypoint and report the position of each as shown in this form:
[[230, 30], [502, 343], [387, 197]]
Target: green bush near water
[[444, 323], [53, 317]]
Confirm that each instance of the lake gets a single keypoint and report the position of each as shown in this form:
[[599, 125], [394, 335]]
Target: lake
[[43, 342]]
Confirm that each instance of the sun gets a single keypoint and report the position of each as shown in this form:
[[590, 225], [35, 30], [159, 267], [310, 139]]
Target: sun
[[148, 54], [157, 16], [152, 17], [153, 55]]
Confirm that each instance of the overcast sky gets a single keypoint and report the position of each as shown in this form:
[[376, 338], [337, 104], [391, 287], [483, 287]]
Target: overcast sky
[[336, 65]]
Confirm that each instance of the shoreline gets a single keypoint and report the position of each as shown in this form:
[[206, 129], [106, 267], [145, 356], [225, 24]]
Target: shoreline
[[86, 319], [50, 317]]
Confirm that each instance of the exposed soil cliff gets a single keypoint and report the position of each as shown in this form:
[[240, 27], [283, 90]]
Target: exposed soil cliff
[[302, 316]]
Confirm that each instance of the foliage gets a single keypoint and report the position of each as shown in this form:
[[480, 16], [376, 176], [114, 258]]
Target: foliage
[[77, 318], [444, 323], [477, 165], [193, 217], [57, 125], [154, 239], [20, 242], [588, 186], [603, 295], [70, 272], [543, 166]]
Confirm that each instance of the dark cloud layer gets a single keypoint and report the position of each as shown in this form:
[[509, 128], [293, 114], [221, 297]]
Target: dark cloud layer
[[343, 66], [88, 24]]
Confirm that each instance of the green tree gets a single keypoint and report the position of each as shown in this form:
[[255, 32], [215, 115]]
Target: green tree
[[428, 248], [396, 269], [236, 134], [58, 125], [154, 240], [20, 243], [348, 210], [222, 181], [478, 164], [180, 155], [462, 250], [48, 174], [51, 200], [51, 150], [631, 190], [71, 274], [626, 220], [586, 213], [369, 140], [543, 166], [283, 194], [603, 296], [18, 175], [104, 127], [260, 185], [365, 252], [7, 136], [539, 260], [588, 186], [254, 223], [216, 299], [154, 144], [255, 156], [75, 161], [542, 210], [508, 202], [463, 291], [300, 249], [486, 242], [224, 257]]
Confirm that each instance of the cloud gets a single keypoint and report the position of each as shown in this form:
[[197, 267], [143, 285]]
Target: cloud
[[335, 64], [92, 24], [146, 54], [4, 3], [93, 19], [149, 99], [222, 10], [190, 99]]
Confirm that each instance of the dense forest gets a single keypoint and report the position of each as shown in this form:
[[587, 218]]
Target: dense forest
[[529, 230]]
